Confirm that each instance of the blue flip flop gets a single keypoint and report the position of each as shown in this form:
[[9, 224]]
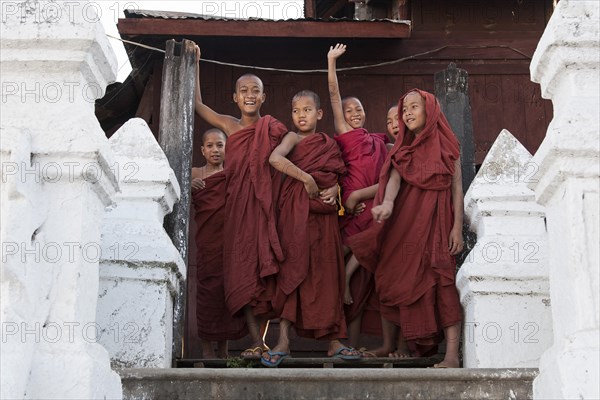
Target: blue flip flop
[[271, 364], [338, 354]]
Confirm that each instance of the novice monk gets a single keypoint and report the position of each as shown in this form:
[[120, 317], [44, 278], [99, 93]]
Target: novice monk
[[392, 122], [364, 154], [418, 230], [215, 323], [310, 282], [251, 251]]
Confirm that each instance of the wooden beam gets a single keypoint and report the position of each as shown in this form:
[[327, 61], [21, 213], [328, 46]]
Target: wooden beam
[[337, 6], [176, 140], [310, 9], [285, 29]]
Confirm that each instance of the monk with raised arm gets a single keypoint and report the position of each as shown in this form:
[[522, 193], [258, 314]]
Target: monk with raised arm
[[251, 251], [363, 154]]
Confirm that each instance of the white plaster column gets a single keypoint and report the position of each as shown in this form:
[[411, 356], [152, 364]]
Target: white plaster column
[[140, 269], [56, 182], [566, 64], [503, 283]]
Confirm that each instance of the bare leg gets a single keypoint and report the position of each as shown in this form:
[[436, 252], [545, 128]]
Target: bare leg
[[451, 359], [351, 267], [346, 250], [354, 331], [283, 344], [208, 351], [254, 327], [222, 349], [389, 333]]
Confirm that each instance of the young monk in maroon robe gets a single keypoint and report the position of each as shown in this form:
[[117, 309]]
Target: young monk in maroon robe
[[251, 250], [418, 229], [392, 122], [215, 323], [364, 154], [311, 279]]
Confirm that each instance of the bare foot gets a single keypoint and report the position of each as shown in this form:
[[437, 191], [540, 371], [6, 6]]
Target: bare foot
[[347, 297], [378, 352], [208, 351], [399, 354], [253, 353], [448, 363], [281, 350], [337, 349]]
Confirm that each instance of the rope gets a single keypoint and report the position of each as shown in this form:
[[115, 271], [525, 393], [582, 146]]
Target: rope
[[310, 71]]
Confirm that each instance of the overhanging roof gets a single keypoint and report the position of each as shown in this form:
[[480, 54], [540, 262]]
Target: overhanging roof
[[167, 23]]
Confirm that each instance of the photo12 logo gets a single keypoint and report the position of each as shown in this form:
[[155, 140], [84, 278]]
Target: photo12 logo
[[53, 12]]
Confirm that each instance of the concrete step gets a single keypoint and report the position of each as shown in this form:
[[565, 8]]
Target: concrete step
[[329, 383]]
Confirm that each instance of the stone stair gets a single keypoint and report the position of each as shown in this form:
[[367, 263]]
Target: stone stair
[[327, 383]]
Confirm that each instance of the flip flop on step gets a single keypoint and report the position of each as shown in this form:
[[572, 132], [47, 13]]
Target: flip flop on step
[[272, 364], [338, 354]]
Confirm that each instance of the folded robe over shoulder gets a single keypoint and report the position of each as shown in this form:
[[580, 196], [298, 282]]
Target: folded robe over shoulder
[[364, 154], [251, 250], [213, 318], [310, 282], [408, 253]]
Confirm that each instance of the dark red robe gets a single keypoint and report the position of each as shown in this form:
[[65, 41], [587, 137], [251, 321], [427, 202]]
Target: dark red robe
[[364, 154], [251, 251], [408, 253], [213, 318], [310, 282]]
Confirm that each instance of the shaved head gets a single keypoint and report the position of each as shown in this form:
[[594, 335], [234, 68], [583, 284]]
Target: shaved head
[[246, 78]]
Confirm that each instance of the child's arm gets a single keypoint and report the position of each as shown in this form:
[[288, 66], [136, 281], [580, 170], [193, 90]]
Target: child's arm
[[455, 241], [384, 210], [360, 195], [279, 161], [226, 123], [341, 126]]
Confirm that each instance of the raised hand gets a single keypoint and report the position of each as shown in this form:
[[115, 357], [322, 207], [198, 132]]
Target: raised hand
[[198, 52], [336, 51]]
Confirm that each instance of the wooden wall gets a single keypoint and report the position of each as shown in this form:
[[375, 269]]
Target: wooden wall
[[492, 40]]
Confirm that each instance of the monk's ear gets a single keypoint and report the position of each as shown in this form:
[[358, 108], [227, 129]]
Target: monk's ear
[[264, 97], [235, 97], [319, 114]]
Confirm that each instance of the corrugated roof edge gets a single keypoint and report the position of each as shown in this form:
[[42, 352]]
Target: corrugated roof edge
[[184, 15]]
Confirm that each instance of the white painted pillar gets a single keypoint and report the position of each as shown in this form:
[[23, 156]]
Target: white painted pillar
[[56, 182], [503, 283], [566, 64], [140, 269]]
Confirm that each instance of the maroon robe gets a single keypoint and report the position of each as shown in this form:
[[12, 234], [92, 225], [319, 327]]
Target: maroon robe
[[213, 319], [364, 154], [408, 253], [310, 283], [251, 251]]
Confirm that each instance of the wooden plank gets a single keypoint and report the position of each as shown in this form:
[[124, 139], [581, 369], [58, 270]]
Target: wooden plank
[[310, 9], [451, 89], [176, 140], [283, 29], [316, 362], [144, 110]]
